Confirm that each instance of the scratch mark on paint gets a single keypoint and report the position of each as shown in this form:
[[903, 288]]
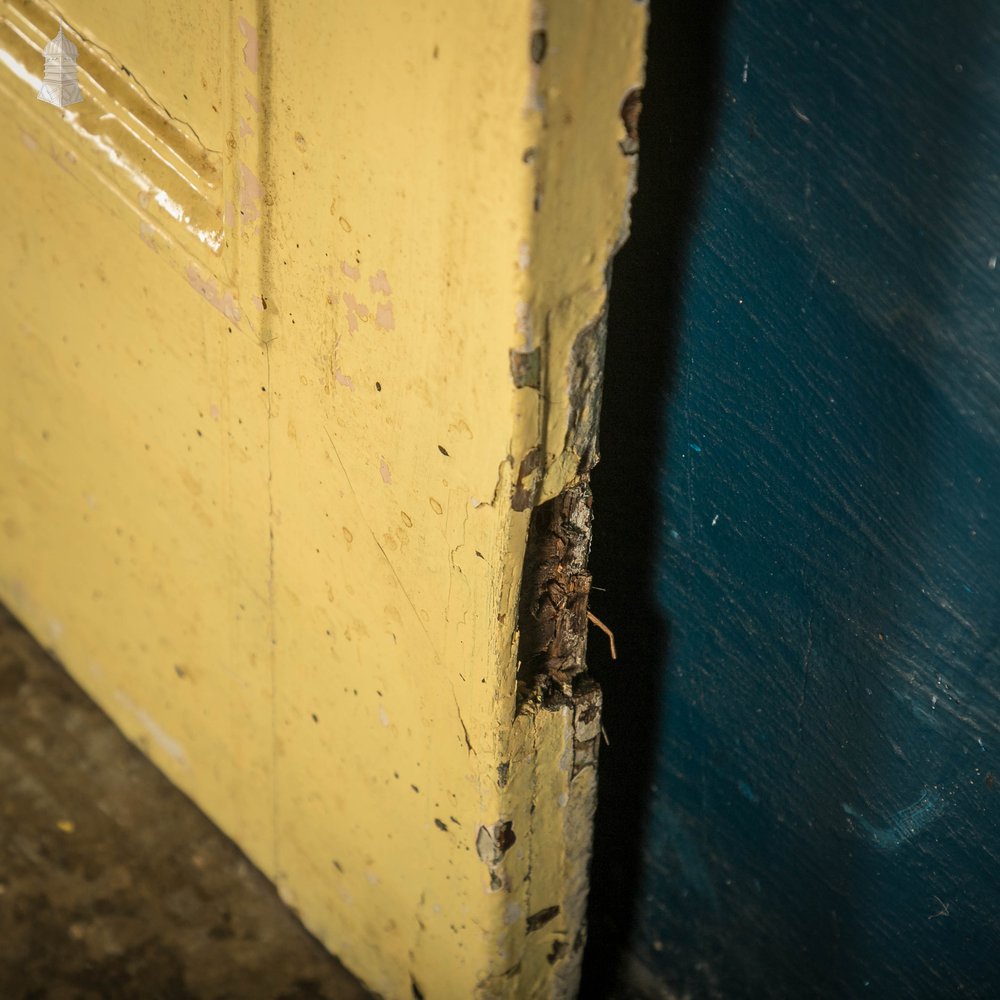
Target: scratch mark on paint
[[165, 742], [383, 468], [352, 272], [379, 283], [344, 380], [392, 568], [903, 825], [252, 101]]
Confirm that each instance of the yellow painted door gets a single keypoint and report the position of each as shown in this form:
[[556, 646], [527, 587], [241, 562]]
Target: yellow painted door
[[301, 332]]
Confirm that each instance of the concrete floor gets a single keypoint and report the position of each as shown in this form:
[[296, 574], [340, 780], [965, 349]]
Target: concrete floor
[[113, 885]]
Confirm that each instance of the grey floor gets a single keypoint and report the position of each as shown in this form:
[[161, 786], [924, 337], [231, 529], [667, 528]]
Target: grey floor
[[112, 884]]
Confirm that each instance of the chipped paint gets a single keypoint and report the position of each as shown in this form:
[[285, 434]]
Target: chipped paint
[[383, 316], [250, 54], [251, 194], [223, 300]]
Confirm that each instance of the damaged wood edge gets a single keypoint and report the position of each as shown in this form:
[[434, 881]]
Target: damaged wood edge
[[539, 857], [558, 705], [555, 593], [582, 179], [557, 723]]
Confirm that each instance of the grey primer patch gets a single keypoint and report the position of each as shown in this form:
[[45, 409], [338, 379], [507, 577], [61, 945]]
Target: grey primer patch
[[526, 369]]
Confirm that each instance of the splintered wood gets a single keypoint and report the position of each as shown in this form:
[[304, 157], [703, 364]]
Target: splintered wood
[[555, 589]]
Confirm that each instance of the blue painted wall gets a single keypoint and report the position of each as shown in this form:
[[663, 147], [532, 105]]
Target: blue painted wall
[[797, 510]]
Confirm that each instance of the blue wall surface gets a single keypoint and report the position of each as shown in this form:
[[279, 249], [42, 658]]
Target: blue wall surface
[[797, 511]]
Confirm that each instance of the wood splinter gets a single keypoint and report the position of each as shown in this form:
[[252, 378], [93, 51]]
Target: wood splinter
[[591, 617]]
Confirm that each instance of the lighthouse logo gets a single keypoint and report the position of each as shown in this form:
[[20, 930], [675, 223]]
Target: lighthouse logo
[[60, 87]]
